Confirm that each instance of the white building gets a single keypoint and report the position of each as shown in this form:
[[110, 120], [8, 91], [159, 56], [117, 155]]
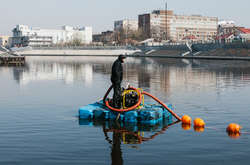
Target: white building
[[194, 27], [226, 23], [4, 40], [126, 24], [155, 25], [23, 35], [226, 27]]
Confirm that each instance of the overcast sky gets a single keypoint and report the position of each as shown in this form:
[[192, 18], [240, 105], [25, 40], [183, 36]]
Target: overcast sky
[[100, 14]]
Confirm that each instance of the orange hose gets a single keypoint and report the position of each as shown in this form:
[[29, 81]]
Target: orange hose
[[156, 99], [138, 103], [122, 110]]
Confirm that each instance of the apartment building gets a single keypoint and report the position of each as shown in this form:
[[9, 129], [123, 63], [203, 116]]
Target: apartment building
[[126, 24], [165, 25]]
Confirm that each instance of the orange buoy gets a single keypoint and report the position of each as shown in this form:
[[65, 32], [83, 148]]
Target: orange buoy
[[199, 123], [186, 126], [199, 129], [233, 128], [186, 119]]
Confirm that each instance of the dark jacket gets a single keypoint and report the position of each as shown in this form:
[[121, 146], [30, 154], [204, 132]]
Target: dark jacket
[[117, 72]]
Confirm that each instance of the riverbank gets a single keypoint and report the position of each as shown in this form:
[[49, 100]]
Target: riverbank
[[76, 51], [223, 53], [219, 53], [195, 57]]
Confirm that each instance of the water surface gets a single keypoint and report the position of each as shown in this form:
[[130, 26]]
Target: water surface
[[39, 105]]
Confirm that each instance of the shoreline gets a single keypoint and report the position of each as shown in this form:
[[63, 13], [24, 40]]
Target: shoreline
[[195, 57], [213, 54], [151, 56]]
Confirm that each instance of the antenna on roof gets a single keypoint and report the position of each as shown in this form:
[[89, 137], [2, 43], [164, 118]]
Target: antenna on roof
[[166, 13]]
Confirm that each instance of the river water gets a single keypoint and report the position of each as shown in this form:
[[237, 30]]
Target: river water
[[39, 106]]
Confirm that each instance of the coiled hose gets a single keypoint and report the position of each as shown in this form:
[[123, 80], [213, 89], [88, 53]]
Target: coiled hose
[[138, 103]]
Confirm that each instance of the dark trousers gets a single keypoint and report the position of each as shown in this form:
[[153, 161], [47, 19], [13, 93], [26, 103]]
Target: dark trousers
[[117, 101]]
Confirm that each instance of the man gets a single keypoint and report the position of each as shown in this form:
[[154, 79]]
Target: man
[[116, 79]]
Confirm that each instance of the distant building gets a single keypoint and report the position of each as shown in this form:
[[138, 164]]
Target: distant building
[[226, 27], [24, 36], [244, 34], [104, 38], [228, 31], [4, 40], [150, 24], [165, 25], [244, 30], [126, 24]]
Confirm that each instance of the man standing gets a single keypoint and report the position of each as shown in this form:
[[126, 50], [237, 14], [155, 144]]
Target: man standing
[[116, 79]]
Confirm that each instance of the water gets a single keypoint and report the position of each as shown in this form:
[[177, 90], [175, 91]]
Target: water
[[39, 105]]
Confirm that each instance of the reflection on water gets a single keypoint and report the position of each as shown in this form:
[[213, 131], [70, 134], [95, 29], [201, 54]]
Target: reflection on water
[[140, 71], [39, 104], [68, 71], [117, 133]]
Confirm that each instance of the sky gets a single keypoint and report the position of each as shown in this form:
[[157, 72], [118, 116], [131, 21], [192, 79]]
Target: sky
[[101, 14]]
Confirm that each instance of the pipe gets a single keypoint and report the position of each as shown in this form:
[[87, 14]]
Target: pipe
[[156, 99], [107, 93], [138, 103]]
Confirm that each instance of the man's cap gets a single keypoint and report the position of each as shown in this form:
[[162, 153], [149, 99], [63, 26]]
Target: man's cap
[[122, 56]]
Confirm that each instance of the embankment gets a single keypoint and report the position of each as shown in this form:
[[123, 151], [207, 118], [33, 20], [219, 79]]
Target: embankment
[[76, 52], [240, 52]]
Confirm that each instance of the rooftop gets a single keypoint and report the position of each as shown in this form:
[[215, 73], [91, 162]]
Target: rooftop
[[245, 30]]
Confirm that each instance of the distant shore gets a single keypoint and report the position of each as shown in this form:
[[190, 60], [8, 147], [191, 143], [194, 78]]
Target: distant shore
[[195, 57], [220, 53], [152, 56]]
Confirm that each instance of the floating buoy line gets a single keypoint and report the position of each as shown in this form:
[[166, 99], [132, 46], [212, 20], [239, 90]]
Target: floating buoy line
[[87, 112], [233, 129]]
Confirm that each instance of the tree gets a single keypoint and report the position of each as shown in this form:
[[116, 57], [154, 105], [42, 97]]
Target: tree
[[77, 42], [77, 39]]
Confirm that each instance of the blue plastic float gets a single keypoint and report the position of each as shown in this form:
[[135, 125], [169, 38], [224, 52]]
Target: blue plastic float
[[139, 112], [148, 114]]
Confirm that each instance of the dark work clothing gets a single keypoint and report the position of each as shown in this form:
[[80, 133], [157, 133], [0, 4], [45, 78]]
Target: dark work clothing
[[117, 72], [116, 79], [117, 100]]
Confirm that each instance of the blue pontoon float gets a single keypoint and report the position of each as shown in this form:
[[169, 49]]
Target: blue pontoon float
[[133, 110]]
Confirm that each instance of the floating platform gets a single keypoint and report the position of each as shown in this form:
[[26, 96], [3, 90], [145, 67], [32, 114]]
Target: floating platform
[[12, 60], [129, 126], [148, 114]]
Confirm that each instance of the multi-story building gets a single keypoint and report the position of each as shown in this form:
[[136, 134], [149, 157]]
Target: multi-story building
[[4, 40], [154, 24], [228, 31], [105, 37], [24, 36], [126, 24], [226, 27], [162, 24]]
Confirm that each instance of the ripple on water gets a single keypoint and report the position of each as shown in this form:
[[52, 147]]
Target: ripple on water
[[39, 102]]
